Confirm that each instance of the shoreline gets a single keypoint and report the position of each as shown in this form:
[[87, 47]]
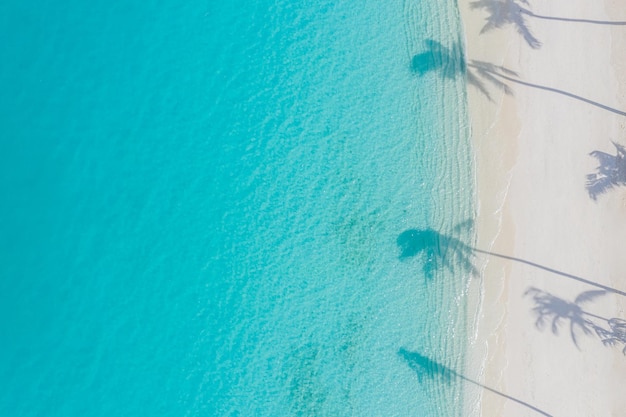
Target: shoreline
[[531, 161]]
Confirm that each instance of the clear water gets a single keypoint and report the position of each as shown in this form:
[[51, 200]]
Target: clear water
[[201, 202]]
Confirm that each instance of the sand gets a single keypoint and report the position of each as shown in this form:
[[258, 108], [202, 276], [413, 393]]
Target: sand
[[567, 99]]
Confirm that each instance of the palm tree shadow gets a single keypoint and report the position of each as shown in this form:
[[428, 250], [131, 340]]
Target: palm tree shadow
[[440, 250], [557, 311], [507, 12], [498, 75], [609, 174], [448, 61], [425, 367], [437, 250]]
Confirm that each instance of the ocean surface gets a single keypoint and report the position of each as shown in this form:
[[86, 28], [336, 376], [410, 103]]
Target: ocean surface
[[202, 200]]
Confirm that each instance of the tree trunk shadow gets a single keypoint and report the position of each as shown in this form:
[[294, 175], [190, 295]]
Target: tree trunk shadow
[[571, 20], [554, 271], [441, 250], [487, 69]]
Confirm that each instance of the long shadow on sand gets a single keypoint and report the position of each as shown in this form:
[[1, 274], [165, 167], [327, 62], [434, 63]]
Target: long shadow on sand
[[571, 20], [554, 271], [611, 172], [425, 367], [502, 73]]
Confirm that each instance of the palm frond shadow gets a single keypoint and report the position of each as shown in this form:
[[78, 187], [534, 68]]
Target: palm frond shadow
[[437, 250], [480, 70], [557, 312], [615, 334], [450, 63], [511, 12], [611, 172], [426, 368], [507, 12]]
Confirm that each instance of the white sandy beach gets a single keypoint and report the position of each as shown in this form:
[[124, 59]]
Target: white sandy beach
[[533, 158]]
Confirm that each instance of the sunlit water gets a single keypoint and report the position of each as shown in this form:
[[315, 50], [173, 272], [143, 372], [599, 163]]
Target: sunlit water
[[202, 202]]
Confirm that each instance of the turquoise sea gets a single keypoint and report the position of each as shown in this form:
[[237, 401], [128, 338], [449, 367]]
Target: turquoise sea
[[201, 203]]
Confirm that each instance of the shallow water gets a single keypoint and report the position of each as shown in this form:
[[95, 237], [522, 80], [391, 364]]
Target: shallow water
[[203, 202]]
